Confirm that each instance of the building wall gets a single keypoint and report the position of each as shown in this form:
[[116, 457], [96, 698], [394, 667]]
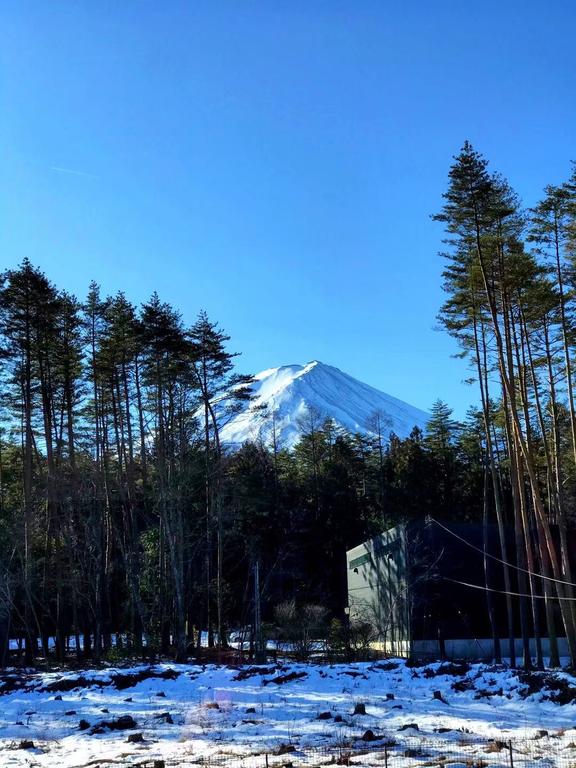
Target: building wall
[[404, 583], [378, 589], [439, 561], [482, 648]]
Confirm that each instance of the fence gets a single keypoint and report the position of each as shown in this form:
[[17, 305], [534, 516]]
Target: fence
[[457, 750]]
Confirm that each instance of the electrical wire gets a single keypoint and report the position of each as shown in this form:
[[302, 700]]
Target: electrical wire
[[499, 560], [505, 592]]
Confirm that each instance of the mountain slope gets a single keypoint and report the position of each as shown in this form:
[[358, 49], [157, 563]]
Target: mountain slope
[[284, 398]]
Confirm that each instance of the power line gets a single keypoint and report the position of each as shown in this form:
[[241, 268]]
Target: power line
[[499, 560], [505, 592]]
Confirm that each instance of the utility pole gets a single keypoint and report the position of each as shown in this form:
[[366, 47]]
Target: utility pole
[[260, 654]]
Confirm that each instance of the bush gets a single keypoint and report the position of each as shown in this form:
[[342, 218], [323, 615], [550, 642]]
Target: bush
[[350, 641], [301, 629]]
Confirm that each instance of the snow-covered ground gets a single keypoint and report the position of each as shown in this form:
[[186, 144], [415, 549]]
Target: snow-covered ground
[[294, 714]]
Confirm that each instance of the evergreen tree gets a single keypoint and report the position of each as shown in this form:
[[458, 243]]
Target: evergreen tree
[[441, 438], [222, 393]]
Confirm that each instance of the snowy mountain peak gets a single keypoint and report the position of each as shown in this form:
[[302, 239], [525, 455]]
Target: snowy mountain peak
[[287, 398]]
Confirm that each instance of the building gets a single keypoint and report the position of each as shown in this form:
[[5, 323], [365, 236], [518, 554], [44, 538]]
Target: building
[[421, 588]]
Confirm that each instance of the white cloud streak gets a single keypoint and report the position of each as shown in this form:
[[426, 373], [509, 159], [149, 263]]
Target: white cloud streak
[[72, 172]]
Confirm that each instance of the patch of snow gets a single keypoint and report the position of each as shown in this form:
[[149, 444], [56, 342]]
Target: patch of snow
[[235, 716], [286, 399]]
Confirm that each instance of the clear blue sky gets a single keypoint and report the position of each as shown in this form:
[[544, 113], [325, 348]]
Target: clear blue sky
[[276, 161]]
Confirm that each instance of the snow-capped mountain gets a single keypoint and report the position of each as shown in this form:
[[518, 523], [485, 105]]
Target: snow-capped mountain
[[285, 398]]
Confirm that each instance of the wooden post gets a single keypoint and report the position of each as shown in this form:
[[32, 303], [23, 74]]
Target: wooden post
[[260, 655]]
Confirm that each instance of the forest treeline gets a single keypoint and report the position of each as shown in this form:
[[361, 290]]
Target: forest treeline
[[121, 513], [510, 281]]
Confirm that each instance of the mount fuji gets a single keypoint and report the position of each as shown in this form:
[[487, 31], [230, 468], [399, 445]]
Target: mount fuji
[[285, 399]]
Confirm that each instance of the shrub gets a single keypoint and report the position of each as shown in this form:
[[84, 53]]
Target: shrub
[[301, 628]]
